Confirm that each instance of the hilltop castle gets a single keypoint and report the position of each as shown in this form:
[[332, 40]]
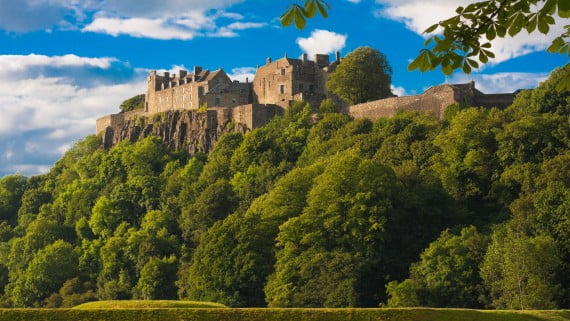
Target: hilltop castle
[[274, 87]]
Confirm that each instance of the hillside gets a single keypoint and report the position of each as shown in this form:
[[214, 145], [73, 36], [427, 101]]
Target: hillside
[[307, 211]]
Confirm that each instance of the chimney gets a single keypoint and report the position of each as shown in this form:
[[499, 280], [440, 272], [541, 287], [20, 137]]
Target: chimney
[[183, 73], [338, 56], [166, 75], [268, 60], [305, 58], [321, 60], [247, 80], [197, 70]]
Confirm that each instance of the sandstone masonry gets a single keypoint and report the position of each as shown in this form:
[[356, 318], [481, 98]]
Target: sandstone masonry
[[199, 106]]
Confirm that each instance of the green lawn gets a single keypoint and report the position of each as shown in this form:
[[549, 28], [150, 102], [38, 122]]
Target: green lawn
[[224, 314], [148, 304]]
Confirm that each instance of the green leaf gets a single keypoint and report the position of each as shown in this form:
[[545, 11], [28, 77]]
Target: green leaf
[[516, 25], [564, 13], [447, 69], [473, 63], [489, 53], [564, 84], [549, 7], [531, 24], [287, 17], [543, 25], [432, 28], [466, 68], [310, 8], [556, 44], [491, 34], [482, 57], [459, 10], [322, 6], [486, 45], [563, 5], [300, 20], [501, 30]]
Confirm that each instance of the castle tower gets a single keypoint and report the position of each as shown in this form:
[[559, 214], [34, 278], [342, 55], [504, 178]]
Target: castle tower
[[150, 99]]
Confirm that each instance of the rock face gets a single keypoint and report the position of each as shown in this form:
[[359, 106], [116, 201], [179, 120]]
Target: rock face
[[185, 130]]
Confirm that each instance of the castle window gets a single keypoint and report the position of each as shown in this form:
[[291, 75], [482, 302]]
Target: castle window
[[217, 101], [300, 87], [200, 91], [282, 89], [233, 100], [311, 88], [283, 72]]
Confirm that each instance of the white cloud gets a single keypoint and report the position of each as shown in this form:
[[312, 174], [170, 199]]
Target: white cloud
[[139, 28], [28, 169], [182, 27], [418, 15], [246, 25], [503, 82], [18, 63], [41, 115], [399, 91], [242, 73], [322, 42], [166, 19]]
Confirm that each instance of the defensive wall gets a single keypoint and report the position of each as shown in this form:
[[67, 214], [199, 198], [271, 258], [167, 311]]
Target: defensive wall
[[434, 100]]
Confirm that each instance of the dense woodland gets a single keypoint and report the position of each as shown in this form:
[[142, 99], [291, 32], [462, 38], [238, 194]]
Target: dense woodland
[[312, 210]]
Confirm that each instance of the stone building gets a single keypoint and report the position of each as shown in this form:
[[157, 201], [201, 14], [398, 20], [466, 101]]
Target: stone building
[[285, 80], [434, 100], [189, 91], [274, 87]]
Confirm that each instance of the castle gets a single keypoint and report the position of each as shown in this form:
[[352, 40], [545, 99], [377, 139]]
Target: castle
[[274, 87]]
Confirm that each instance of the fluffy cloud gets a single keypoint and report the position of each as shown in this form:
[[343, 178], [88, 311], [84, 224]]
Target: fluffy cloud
[[43, 115], [29, 15], [503, 82], [167, 19], [322, 42], [242, 74], [19, 63], [398, 91], [139, 28], [418, 15]]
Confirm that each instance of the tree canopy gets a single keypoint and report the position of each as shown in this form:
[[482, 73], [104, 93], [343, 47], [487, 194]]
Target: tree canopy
[[363, 75], [308, 211]]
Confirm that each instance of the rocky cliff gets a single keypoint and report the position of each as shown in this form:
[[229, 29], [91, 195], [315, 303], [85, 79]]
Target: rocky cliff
[[186, 130]]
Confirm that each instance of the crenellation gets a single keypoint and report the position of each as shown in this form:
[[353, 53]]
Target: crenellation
[[274, 87]]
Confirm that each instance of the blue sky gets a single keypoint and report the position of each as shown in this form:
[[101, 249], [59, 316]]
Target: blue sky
[[63, 63]]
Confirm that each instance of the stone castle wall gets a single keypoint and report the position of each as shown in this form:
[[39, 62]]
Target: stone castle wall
[[434, 100]]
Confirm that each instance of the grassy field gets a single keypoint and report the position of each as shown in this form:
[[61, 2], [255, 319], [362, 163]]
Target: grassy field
[[148, 304], [168, 314]]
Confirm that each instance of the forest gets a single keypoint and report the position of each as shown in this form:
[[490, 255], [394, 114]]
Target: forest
[[313, 210]]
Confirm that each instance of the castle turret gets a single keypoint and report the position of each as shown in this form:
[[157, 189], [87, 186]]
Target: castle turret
[[322, 60]]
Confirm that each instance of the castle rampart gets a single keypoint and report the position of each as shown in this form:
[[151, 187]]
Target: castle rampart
[[207, 99]]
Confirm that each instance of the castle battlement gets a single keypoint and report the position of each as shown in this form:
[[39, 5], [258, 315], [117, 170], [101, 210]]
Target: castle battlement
[[278, 83]]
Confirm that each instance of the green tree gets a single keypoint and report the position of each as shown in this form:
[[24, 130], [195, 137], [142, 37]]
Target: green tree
[[447, 274], [157, 280], [235, 256], [519, 271], [135, 102], [346, 212], [12, 188], [362, 76], [47, 272]]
